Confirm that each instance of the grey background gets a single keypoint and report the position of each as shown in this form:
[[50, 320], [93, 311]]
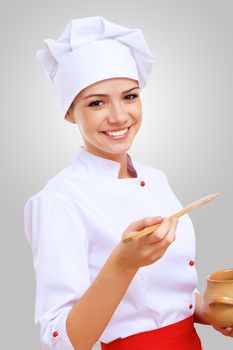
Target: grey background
[[186, 130]]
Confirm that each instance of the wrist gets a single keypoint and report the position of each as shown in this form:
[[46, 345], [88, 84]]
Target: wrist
[[121, 263], [199, 316]]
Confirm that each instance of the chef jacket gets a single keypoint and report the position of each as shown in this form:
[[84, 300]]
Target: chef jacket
[[72, 226]]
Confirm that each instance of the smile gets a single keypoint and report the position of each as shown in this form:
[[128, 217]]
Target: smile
[[118, 134]]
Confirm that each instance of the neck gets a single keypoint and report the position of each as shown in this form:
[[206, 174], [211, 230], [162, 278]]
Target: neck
[[124, 171], [123, 174]]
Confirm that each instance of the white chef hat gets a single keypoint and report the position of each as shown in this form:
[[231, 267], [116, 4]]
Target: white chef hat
[[92, 49]]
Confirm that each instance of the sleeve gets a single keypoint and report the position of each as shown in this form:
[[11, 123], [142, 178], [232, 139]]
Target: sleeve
[[59, 246]]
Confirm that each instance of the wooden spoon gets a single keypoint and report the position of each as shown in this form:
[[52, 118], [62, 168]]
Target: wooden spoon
[[129, 236]]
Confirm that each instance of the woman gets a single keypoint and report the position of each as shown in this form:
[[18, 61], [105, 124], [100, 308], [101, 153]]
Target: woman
[[90, 285]]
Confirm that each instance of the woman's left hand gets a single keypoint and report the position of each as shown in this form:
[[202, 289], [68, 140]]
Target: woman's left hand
[[199, 317], [228, 331]]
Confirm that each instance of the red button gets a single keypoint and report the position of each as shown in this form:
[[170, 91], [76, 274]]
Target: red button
[[142, 183], [55, 334], [191, 262], [191, 306]]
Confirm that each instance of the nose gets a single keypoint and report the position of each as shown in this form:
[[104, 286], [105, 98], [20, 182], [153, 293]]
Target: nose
[[117, 114]]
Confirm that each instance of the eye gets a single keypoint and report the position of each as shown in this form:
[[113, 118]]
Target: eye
[[131, 96], [96, 103]]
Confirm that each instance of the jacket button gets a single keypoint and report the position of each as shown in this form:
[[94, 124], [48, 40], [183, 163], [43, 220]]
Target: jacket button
[[142, 183], [55, 334], [190, 306], [191, 262]]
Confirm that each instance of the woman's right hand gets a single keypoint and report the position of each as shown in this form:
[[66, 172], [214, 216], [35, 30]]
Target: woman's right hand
[[150, 248]]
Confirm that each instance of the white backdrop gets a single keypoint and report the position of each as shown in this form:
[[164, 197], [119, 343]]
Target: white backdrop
[[186, 131]]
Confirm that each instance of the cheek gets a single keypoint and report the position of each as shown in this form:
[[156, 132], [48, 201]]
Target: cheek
[[136, 111], [91, 122]]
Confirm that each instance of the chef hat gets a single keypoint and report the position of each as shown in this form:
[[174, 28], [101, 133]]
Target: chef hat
[[92, 49]]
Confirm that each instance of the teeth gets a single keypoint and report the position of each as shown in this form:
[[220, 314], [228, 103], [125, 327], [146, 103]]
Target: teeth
[[117, 133]]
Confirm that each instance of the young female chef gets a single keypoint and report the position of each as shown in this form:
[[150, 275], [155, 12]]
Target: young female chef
[[91, 285]]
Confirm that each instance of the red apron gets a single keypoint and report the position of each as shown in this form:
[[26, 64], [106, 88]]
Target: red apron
[[177, 336]]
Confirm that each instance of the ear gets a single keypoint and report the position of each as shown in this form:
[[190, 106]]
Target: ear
[[69, 116]]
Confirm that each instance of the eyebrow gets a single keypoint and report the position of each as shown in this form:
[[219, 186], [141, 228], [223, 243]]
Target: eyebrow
[[105, 95]]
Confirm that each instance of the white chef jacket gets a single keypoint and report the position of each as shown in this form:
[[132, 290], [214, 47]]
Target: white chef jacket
[[73, 224]]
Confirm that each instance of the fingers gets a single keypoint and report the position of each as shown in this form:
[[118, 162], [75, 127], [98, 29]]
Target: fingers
[[230, 332], [149, 248], [139, 225], [225, 331], [165, 232]]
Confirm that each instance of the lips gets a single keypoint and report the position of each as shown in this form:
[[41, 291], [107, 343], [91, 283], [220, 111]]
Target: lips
[[117, 136], [117, 133], [126, 127]]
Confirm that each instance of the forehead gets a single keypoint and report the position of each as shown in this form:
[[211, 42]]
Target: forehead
[[109, 86]]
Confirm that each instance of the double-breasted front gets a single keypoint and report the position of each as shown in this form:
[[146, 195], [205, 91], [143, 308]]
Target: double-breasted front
[[73, 224]]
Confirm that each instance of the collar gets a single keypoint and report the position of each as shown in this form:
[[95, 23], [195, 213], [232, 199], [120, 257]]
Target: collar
[[97, 165]]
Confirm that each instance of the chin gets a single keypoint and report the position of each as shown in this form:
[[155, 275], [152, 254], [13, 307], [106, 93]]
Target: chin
[[117, 149], [107, 148]]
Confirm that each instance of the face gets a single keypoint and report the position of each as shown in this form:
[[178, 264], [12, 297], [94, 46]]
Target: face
[[108, 114]]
